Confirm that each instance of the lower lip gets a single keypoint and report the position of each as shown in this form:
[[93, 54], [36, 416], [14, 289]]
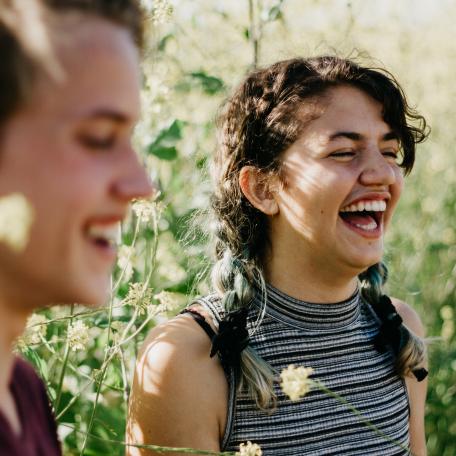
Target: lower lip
[[369, 234]]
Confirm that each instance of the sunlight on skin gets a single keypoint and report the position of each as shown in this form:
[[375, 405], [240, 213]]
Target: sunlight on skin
[[319, 182]]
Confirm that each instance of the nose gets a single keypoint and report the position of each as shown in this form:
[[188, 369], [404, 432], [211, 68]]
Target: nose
[[377, 170], [133, 182]]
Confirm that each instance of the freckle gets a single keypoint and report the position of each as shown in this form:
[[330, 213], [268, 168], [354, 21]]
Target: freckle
[[321, 212]]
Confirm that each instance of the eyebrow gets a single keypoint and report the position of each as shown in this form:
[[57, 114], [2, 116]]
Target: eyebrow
[[391, 135]]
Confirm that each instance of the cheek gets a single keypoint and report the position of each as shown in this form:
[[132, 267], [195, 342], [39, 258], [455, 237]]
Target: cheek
[[397, 187]]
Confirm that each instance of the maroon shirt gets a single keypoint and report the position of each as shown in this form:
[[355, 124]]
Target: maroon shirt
[[38, 428]]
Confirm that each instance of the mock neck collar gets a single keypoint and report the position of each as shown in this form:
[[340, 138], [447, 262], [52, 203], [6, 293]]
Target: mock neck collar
[[307, 315]]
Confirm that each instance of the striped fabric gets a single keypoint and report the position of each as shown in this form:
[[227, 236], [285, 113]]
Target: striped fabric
[[336, 341]]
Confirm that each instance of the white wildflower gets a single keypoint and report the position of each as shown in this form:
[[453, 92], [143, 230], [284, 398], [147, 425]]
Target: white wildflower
[[167, 301], [35, 331], [139, 296], [16, 218], [161, 10], [295, 381], [146, 211], [78, 335], [249, 449]]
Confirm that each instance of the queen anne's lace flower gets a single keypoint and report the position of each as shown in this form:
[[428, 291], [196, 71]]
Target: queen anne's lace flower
[[16, 218], [78, 335], [35, 331], [166, 301], [249, 449], [295, 381], [139, 296]]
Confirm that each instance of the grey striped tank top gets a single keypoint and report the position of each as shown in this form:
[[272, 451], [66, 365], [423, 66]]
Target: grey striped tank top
[[336, 340]]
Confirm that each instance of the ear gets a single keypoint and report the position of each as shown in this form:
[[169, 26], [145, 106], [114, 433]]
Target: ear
[[256, 188]]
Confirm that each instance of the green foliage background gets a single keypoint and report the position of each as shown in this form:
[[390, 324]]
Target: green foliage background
[[195, 56]]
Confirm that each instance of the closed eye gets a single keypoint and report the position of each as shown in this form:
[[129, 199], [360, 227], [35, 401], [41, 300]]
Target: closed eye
[[97, 143], [343, 155]]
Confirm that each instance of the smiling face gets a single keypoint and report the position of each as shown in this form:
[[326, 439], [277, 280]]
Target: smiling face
[[68, 152], [341, 184]]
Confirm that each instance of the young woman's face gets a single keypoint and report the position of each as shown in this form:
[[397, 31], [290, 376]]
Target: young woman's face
[[342, 184], [68, 152]]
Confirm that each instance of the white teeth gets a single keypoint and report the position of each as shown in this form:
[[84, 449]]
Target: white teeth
[[107, 232], [377, 206], [370, 227]]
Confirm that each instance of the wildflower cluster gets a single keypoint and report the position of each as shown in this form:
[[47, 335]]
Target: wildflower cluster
[[167, 301], [147, 211], [35, 331], [249, 449], [295, 381], [139, 296], [78, 336]]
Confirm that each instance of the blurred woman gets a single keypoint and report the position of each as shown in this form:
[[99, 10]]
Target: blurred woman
[[69, 98], [308, 173]]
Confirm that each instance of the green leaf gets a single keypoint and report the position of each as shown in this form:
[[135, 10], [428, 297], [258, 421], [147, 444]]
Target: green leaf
[[165, 153], [210, 84], [164, 145]]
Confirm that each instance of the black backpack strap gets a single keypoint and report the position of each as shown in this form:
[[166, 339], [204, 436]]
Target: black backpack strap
[[201, 321]]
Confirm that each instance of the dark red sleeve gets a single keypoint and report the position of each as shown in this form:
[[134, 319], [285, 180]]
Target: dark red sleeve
[[39, 429]]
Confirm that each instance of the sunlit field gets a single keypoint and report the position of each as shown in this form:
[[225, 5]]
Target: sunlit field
[[197, 51]]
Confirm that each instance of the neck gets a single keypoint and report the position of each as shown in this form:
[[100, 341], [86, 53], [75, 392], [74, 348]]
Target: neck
[[309, 281], [13, 323]]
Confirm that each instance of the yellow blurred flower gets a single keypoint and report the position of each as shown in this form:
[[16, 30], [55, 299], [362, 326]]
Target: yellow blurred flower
[[16, 218], [249, 449], [295, 381]]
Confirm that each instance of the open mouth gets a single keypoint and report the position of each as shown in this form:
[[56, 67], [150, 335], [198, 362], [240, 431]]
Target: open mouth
[[364, 215], [104, 236]]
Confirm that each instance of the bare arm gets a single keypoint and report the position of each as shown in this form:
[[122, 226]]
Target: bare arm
[[179, 394], [416, 390]]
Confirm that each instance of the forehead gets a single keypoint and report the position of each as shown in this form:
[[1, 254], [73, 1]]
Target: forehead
[[347, 108], [100, 70]]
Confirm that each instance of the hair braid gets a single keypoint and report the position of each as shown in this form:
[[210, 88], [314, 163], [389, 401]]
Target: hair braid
[[265, 115], [410, 350]]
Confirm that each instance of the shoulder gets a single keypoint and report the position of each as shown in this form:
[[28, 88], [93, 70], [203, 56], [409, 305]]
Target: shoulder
[[179, 393], [409, 316]]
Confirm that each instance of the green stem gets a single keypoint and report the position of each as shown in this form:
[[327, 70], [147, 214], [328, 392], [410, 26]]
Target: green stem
[[64, 365], [157, 448], [100, 381]]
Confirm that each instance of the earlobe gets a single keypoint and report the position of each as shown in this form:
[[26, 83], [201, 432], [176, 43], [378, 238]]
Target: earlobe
[[256, 188]]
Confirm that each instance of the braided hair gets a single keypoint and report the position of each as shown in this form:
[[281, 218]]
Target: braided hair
[[257, 124]]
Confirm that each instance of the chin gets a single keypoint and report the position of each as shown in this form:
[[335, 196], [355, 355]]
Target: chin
[[362, 262], [88, 292]]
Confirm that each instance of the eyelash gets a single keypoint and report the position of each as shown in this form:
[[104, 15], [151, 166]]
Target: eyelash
[[97, 143], [348, 153]]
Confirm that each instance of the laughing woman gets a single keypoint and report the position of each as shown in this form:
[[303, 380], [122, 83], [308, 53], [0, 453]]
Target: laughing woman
[[308, 173], [69, 97]]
